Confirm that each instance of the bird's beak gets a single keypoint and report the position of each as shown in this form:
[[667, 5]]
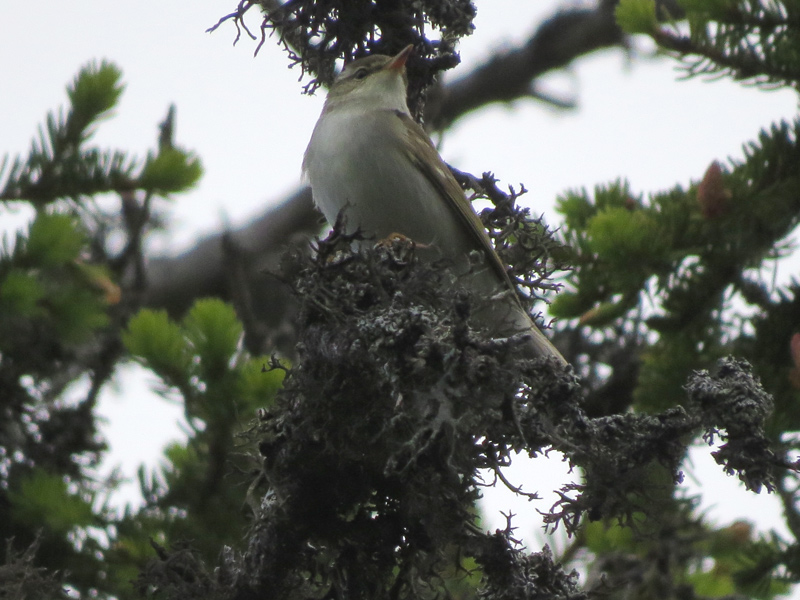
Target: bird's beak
[[398, 62]]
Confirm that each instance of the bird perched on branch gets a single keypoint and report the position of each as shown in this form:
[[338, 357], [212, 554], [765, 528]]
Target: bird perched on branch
[[370, 161]]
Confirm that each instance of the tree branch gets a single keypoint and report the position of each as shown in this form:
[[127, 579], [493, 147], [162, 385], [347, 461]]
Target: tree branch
[[510, 75], [215, 265]]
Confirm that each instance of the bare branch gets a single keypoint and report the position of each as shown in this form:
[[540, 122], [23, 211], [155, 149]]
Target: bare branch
[[205, 270]]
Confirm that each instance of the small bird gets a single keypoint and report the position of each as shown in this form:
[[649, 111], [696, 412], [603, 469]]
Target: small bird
[[369, 160]]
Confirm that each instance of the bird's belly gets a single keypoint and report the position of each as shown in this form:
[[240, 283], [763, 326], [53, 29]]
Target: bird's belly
[[382, 193], [383, 199]]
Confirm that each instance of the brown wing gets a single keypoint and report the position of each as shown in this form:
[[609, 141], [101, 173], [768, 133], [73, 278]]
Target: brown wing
[[423, 154]]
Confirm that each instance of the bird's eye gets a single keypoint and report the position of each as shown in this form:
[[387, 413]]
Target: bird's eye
[[360, 74]]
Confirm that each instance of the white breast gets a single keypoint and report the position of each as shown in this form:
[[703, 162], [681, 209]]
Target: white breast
[[356, 164]]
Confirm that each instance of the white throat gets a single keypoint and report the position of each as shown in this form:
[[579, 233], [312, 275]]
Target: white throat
[[384, 90]]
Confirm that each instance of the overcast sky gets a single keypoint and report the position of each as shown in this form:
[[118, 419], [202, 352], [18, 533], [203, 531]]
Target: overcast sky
[[249, 123]]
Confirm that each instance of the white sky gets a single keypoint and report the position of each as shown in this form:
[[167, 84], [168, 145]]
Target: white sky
[[246, 119]]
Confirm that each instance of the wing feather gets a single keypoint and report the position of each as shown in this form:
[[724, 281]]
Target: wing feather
[[424, 155]]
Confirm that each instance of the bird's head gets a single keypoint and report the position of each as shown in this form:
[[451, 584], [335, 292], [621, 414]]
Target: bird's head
[[373, 82]]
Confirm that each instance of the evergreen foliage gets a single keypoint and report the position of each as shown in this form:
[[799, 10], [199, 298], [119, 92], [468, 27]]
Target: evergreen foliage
[[66, 302]]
